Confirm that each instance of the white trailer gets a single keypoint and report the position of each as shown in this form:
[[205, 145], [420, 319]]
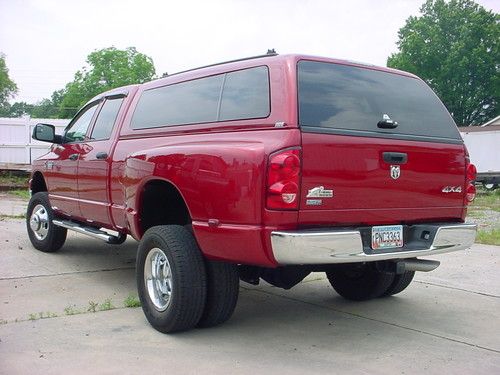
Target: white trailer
[[483, 143]]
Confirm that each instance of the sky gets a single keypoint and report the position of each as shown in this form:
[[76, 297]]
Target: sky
[[46, 41]]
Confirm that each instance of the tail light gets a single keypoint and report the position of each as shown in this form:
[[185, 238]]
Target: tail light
[[470, 193], [471, 172], [470, 188], [283, 174]]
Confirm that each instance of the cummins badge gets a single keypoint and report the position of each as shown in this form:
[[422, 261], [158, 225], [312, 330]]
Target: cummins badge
[[319, 192]]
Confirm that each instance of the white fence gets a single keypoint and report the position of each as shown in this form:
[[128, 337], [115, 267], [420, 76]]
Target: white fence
[[17, 148]]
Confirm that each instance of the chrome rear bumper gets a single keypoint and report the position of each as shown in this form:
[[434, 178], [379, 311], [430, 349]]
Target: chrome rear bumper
[[346, 246]]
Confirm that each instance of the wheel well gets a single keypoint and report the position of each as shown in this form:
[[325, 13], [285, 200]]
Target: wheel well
[[38, 183], [162, 204]]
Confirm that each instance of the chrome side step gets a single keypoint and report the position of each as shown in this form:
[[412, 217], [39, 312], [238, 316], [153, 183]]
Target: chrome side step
[[90, 231]]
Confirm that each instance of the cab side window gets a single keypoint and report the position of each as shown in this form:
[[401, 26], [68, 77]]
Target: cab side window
[[239, 95], [78, 128], [106, 119], [245, 95]]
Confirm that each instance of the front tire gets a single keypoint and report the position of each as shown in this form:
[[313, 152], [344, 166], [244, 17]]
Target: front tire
[[171, 279], [359, 281], [43, 234]]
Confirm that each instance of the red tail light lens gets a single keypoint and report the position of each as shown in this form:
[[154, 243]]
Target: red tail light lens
[[471, 172], [470, 188], [470, 193], [283, 175]]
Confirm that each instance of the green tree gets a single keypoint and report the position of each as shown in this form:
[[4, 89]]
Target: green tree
[[454, 47], [19, 109], [8, 88], [48, 108], [108, 68]]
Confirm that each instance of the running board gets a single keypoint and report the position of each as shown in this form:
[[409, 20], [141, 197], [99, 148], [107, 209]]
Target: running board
[[90, 231]]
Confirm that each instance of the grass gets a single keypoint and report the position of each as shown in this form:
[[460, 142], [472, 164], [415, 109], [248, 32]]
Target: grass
[[71, 310], [10, 178], [42, 315], [484, 210], [24, 193], [107, 305], [20, 216], [92, 306], [488, 237], [132, 301], [487, 200]]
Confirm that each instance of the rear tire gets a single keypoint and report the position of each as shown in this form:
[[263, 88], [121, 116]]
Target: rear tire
[[171, 279], [359, 281], [399, 284], [222, 293], [43, 234]]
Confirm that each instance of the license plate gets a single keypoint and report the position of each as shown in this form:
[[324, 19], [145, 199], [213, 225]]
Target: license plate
[[387, 237]]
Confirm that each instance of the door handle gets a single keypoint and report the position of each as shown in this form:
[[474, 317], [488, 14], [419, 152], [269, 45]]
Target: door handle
[[73, 157], [101, 155], [395, 157]]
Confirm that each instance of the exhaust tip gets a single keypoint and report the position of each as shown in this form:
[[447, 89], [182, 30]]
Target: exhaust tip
[[411, 265]]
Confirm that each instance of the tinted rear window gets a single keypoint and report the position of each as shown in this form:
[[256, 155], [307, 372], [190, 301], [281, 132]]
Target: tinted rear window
[[351, 98], [242, 94]]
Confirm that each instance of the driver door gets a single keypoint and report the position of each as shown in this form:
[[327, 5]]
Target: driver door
[[95, 163], [61, 170]]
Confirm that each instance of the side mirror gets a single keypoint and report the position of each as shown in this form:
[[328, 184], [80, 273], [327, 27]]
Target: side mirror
[[46, 133]]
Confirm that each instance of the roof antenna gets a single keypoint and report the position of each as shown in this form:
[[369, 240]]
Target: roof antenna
[[271, 52]]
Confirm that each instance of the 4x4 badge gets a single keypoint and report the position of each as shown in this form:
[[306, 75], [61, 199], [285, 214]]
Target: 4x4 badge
[[452, 189], [395, 171]]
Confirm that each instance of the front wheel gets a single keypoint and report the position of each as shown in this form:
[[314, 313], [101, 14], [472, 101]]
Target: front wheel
[[43, 234], [171, 279], [359, 281]]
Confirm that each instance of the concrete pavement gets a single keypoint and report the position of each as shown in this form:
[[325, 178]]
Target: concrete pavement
[[11, 205], [447, 321]]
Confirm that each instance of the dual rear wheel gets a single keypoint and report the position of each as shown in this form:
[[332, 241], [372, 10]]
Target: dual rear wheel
[[364, 281], [178, 288]]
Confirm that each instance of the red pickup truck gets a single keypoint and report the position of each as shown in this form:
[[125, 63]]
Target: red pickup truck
[[262, 168]]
